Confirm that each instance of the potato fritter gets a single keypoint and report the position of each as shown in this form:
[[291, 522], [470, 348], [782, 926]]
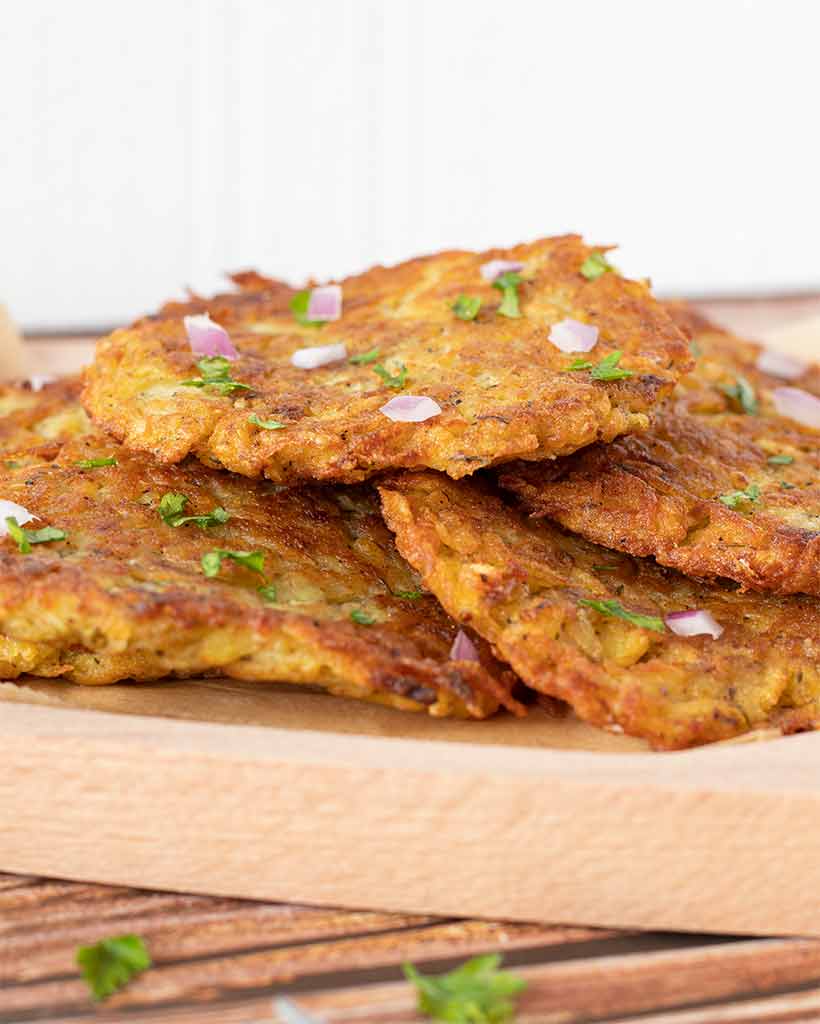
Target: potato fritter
[[261, 584], [52, 414], [720, 485], [585, 624], [504, 390]]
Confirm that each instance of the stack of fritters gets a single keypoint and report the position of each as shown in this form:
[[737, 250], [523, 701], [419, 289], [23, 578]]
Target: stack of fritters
[[228, 512]]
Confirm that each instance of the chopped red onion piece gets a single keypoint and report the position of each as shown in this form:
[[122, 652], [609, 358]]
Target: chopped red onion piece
[[410, 409], [495, 268], [318, 355], [573, 336], [797, 405], [694, 623], [463, 648], [11, 508], [207, 338], [39, 380], [325, 303], [778, 364]]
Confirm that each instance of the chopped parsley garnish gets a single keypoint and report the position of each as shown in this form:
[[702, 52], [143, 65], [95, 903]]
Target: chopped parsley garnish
[[594, 265], [780, 460], [216, 374], [735, 498], [477, 992], [172, 506], [95, 463], [743, 393], [466, 307], [268, 593], [508, 284], [607, 369], [212, 560], [616, 610], [109, 965], [25, 538], [299, 307], [695, 349], [265, 424], [786, 486], [605, 568], [365, 357], [408, 595], [362, 618], [395, 381]]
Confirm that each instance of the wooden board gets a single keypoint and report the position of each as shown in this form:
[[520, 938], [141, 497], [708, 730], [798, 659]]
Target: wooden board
[[280, 793]]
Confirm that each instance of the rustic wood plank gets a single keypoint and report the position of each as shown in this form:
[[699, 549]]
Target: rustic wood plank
[[223, 977], [792, 1006]]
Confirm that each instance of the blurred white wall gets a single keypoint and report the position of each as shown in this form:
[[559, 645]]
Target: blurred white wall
[[152, 145]]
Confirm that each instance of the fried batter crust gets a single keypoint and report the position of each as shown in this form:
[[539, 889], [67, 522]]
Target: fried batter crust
[[519, 583], [124, 596], [504, 390], [31, 418], [658, 493]]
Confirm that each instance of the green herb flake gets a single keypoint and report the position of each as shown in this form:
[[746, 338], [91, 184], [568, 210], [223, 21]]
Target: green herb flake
[[508, 284], [109, 965], [408, 595], [786, 486], [595, 265], [216, 374], [614, 609], [265, 424], [172, 506], [268, 593], [780, 460], [25, 538], [735, 498], [362, 618], [95, 463], [608, 368], [299, 307], [466, 307], [580, 364], [395, 381], [477, 992], [605, 568], [743, 393], [363, 358], [212, 560]]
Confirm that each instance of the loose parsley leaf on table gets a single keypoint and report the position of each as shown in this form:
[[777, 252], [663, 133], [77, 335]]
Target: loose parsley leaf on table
[[110, 964], [477, 992]]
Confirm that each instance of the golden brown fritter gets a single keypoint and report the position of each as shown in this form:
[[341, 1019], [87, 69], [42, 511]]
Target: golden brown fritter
[[721, 485], [30, 418], [124, 595], [522, 585], [505, 392]]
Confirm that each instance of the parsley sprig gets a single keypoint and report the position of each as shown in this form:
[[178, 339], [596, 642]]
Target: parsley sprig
[[212, 560], [615, 610], [466, 307], [607, 369], [25, 538], [735, 498], [171, 511], [395, 381], [595, 265], [216, 374], [265, 424], [474, 993], [508, 284], [110, 964], [743, 393], [299, 307]]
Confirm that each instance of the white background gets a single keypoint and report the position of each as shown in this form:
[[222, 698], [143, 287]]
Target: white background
[[150, 145]]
